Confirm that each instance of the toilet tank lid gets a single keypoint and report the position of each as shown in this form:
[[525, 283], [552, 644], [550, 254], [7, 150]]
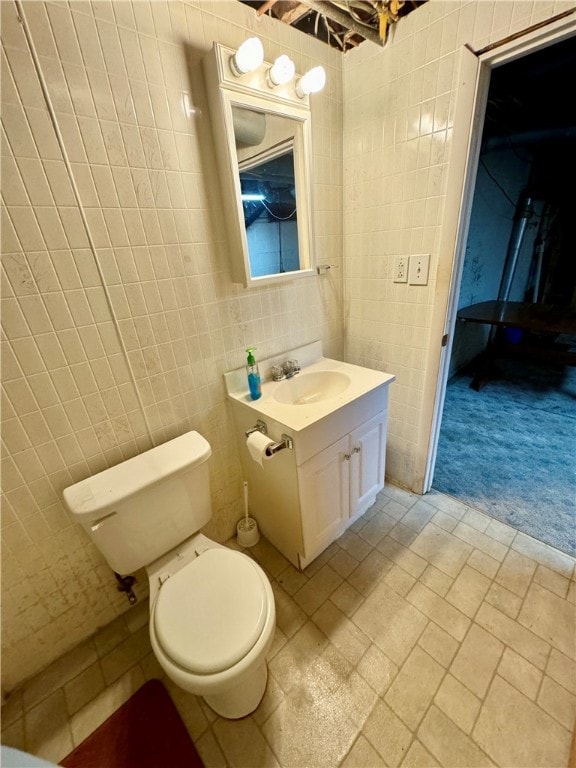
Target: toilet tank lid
[[98, 494]]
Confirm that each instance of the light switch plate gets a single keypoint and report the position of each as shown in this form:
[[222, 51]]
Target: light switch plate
[[418, 269]]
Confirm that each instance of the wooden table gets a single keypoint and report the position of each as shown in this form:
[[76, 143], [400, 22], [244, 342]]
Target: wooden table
[[540, 319]]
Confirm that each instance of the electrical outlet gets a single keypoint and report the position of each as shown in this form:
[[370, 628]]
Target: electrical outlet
[[418, 269], [401, 269]]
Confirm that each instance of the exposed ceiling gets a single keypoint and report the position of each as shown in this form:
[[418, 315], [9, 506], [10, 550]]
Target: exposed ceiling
[[342, 24]]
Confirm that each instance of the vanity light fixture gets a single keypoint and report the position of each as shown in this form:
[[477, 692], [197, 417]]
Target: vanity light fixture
[[248, 57], [282, 71], [311, 82]]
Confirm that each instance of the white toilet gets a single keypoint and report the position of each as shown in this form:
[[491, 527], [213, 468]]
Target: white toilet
[[212, 614]]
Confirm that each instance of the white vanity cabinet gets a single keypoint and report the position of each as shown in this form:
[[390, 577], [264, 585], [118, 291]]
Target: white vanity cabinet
[[331, 420], [340, 483]]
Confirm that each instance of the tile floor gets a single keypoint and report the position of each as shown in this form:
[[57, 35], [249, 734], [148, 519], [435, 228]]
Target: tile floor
[[428, 634]]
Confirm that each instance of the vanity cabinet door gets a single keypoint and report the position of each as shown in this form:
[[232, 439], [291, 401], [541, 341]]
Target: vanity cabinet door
[[324, 493], [367, 459]]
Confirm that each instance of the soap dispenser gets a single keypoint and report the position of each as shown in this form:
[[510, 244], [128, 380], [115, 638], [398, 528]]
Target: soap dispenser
[[254, 384]]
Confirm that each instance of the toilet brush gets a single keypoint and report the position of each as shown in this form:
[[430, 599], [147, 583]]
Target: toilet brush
[[247, 532]]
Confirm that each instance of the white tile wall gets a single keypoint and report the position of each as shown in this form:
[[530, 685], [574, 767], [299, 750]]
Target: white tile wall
[[118, 315], [398, 116]]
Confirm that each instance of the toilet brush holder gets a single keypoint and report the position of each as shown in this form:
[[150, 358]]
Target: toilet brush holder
[[247, 532]]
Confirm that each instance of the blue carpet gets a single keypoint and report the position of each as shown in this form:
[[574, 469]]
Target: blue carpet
[[510, 450]]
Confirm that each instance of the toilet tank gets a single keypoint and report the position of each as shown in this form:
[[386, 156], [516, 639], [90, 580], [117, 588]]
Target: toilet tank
[[142, 508]]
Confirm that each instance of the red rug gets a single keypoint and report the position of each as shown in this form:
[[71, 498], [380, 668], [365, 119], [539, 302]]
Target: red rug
[[146, 732]]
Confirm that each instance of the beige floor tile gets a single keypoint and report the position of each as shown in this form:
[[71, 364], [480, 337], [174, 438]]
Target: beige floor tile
[[449, 745], [516, 573], [419, 757], [377, 669], [447, 504], [501, 532], [290, 663], [436, 580], [273, 695], [551, 580], [445, 521], [520, 673], [504, 600], [356, 699], [397, 510], [210, 752], [400, 581], [192, 709], [375, 530], [354, 545], [126, 655], [441, 549], [85, 687], [291, 579], [551, 618], [305, 732], [343, 563], [439, 644], [362, 755], [13, 709], [402, 556], [516, 732], [96, 711], [399, 495], [269, 558], [138, 616], [243, 744], [468, 591], [369, 573], [342, 633], [562, 669], [58, 673], [476, 519], [13, 735], [477, 659], [110, 636], [347, 598], [456, 701], [319, 588], [390, 622], [556, 700], [437, 609], [403, 535], [412, 691], [419, 515], [480, 541], [483, 563], [511, 633], [278, 642], [543, 554], [289, 616], [47, 729], [387, 734]]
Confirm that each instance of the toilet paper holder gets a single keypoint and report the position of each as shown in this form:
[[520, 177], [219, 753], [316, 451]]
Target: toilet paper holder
[[284, 442]]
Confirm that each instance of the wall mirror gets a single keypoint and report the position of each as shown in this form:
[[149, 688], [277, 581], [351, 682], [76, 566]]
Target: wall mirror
[[263, 145]]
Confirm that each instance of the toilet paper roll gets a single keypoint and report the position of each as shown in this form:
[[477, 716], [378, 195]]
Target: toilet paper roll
[[257, 444]]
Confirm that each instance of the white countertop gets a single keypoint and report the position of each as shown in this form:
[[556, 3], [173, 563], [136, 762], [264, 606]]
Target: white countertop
[[298, 417]]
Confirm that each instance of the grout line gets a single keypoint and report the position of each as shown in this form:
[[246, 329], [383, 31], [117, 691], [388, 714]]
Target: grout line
[[81, 211]]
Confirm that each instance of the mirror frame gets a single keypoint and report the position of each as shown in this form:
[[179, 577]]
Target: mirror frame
[[250, 91]]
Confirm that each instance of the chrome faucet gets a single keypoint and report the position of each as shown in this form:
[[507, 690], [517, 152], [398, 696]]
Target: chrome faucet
[[286, 370]]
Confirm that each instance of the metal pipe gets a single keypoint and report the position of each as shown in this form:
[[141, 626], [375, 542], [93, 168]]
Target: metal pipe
[[521, 219]]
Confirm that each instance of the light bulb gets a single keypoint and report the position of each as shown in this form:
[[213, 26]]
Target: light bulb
[[312, 82], [282, 71], [248, 57]]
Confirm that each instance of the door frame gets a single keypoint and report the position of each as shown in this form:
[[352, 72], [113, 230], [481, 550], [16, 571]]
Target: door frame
[[470, 111]]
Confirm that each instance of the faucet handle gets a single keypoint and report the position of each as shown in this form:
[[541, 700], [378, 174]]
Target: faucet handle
[[291, 367]]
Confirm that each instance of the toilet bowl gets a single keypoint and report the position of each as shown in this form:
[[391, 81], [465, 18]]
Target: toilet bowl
[[212, 624], [212, 612]]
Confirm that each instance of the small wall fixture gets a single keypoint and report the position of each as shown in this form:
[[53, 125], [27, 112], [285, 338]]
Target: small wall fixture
[[311, 82], [282, 71], [248, 57]]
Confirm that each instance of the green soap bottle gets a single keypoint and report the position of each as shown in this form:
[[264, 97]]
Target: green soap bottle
[[254, 383]]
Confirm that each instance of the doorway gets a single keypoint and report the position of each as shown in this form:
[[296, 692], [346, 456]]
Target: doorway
[[518, 249]]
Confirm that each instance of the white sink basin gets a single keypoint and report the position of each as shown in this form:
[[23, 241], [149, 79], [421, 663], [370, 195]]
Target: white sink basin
[[309, 388]]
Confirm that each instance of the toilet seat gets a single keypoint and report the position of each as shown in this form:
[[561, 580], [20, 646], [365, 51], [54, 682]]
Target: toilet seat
[[211, 613]]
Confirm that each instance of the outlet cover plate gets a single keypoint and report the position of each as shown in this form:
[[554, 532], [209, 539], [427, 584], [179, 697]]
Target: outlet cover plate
[[418, 269], [401, 269]]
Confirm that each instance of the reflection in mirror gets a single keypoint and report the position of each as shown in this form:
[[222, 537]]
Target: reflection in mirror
[[268, 190]]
